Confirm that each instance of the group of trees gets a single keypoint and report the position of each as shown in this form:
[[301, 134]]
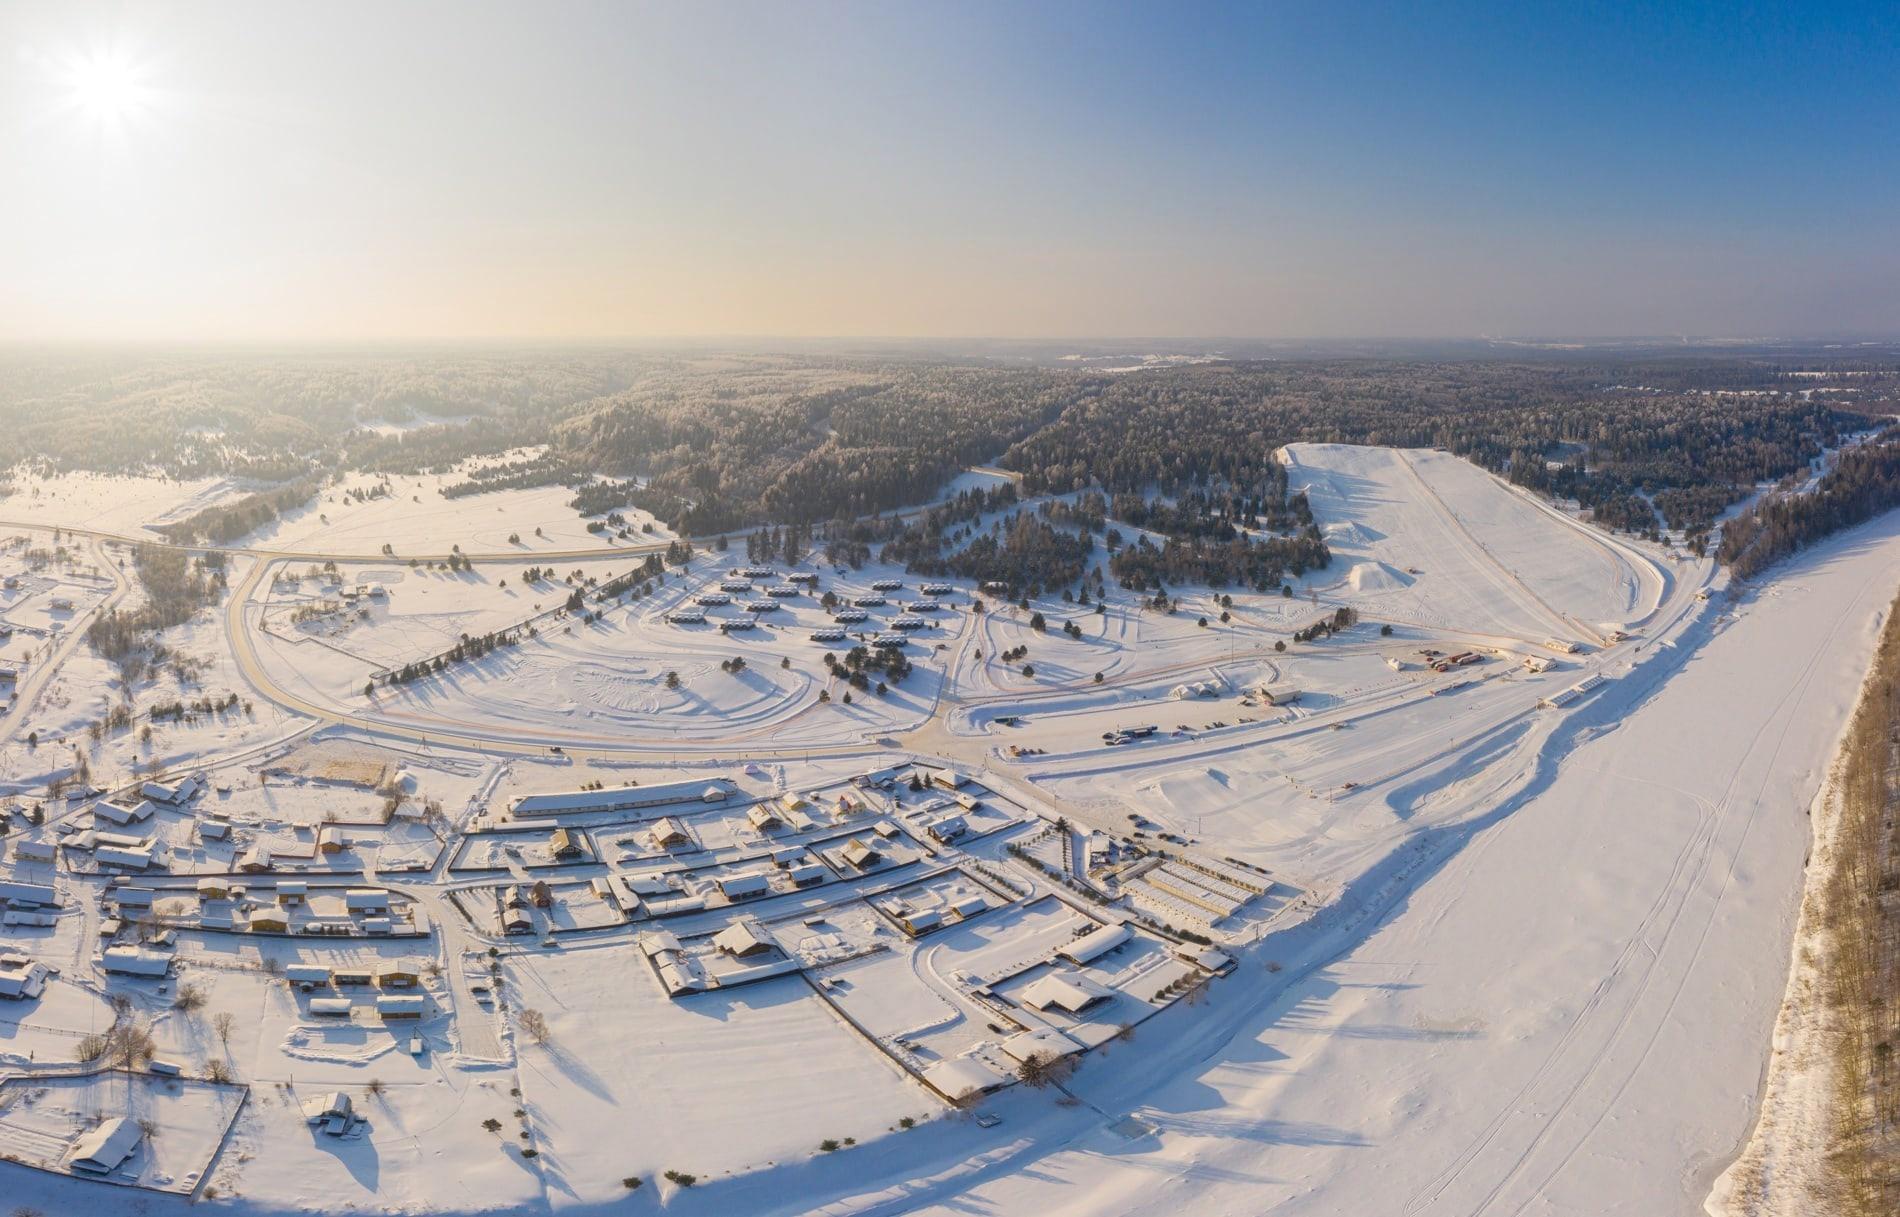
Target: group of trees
[[469, 647], [1864, 482], [789, 544], [175, 587], [1026, 552], [227, 522], [1261, 564]]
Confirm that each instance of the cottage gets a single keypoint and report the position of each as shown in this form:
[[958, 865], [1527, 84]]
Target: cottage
[[123, 813], [122, 856], [254, 860], [919, 921], [171, 795], [104, 1149], [398, 974], [1065, 991], [540, 895], [330, 840], [213, 889], [131, 961], [745, 938], [564, 844], [744, 886], [860, 855], [950, 828], [35, 851], [132, 898], [268, 919], [763, 817], [21, 979], [293, 892], [344, 978], [806, 874], [667, 833], [962, 1077], [307, 975], [1042, 1043], [366, 900], [214, 830]]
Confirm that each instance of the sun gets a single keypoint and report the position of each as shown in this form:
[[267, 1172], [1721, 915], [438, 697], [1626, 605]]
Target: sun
[[107, 86]]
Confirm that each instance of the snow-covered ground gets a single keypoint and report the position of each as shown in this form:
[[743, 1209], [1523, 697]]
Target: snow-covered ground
[[1508, 937]]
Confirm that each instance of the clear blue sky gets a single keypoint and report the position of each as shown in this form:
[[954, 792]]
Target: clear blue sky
[[601, 170]]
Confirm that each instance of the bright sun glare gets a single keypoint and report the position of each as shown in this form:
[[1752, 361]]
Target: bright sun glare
[[108, 86]]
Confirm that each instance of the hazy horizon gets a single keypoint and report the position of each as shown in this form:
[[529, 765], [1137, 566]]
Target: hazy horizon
[[655, 173]]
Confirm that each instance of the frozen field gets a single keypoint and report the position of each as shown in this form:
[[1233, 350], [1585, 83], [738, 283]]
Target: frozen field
[[1424, 536], [1437, 891]]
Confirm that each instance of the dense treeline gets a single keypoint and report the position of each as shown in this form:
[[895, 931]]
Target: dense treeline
[[221, 524], [1027, 553], [1595, 432], [717, 442], [809, 441], [1261, 564], [1863, 483]]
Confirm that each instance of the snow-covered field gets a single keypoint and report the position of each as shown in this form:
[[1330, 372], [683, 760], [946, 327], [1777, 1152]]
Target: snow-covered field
[[1343, 933]]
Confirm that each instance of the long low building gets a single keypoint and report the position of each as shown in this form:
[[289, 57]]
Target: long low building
[[622, 798], [28, 895], [1096, 943]]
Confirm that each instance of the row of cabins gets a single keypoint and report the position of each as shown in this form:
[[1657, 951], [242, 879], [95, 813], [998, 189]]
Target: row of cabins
[[392, 977], [390, 974]]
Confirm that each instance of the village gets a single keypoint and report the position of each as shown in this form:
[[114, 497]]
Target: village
[[867, 853]]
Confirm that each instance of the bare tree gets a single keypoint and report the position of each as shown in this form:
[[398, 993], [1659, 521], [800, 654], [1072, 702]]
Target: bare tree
[[535, 1023]]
